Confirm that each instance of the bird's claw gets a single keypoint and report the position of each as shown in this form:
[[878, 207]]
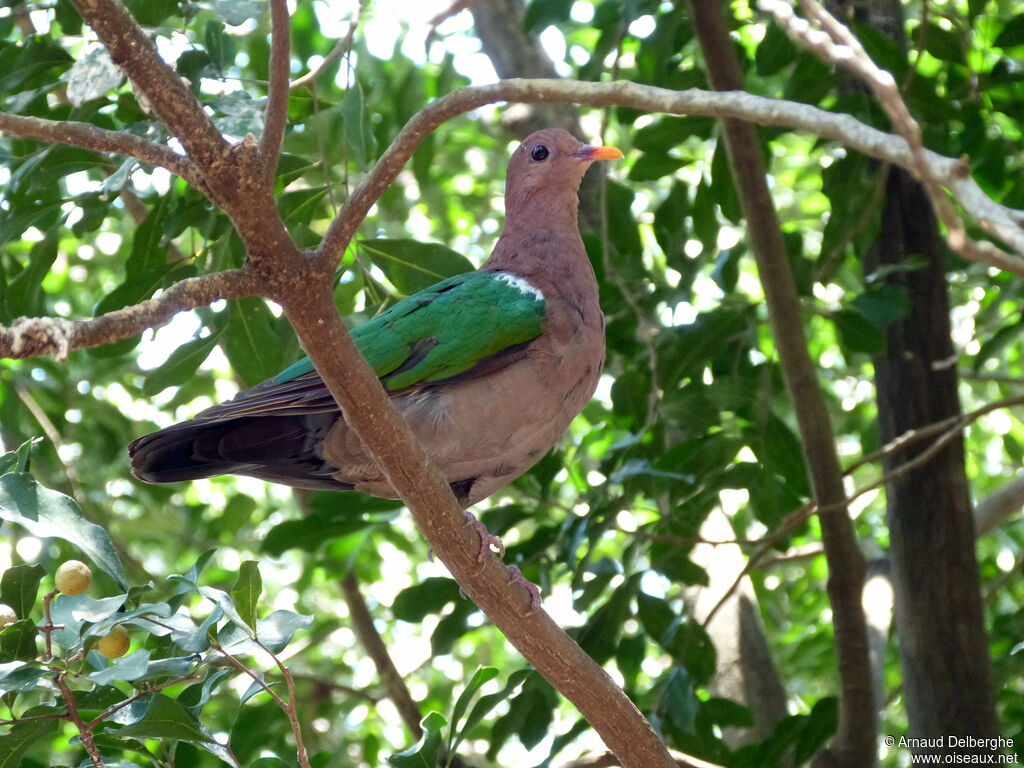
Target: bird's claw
[[516, 577], [487, 539]]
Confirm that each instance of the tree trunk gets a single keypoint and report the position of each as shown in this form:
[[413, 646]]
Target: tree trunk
[[939, 616]]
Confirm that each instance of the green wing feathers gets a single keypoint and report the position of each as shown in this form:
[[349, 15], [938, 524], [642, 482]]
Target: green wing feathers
[[444, 330]]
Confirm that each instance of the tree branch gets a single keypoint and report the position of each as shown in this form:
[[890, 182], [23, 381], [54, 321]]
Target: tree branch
[[425, 492], [235, 175], [835, 44], [100, 140], [132, 50], [1006, 223], [56, 336], [855, 743], [340, 49], [277, 92]]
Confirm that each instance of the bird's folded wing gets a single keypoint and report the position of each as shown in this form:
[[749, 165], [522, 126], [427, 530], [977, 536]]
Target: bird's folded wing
[[465, 325]]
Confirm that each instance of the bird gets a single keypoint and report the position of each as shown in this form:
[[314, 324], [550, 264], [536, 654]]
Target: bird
[[488, 367]]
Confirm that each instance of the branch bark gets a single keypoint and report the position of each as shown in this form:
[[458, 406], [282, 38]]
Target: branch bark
[[32, 337], [90, 137], [855, 743], [276, 118]]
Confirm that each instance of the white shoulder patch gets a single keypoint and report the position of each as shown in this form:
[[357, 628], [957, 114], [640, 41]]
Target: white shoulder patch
[[520, 284]]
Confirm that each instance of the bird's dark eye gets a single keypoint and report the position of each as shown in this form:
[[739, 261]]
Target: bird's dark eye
[[539, 153]]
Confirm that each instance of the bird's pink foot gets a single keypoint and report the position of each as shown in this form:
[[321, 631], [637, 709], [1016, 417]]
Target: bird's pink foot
[[516, 577], [487, 539]]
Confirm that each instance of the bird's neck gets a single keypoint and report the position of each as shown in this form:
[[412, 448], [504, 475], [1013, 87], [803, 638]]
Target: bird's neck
[[541, 243]]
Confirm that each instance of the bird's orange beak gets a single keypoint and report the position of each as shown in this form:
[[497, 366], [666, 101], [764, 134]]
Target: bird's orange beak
[[598, 153]]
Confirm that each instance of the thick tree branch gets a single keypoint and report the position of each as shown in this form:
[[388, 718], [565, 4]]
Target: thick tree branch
[[276, 118], [426, 493], [855, 743], [32, 337], [90, 137]]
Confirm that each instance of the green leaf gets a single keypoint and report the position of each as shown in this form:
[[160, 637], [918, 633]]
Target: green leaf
[[19, 676], [857, 333], [24, 290], [213, 39], [424, 753], [226, 603], [679, 702], [152, 13], [883, 304], [411, 265], [490, 701], [1012, 35], [650, 166], [481, 677], [165, 718], [431, 595], [147, 255], [541, 14], [277, 629], [944, 44], [774, 51], [18, 641], [247, 590], [49, 514], [251, 341], [127, 668], [21, 736], [180, 366], [19, 587]]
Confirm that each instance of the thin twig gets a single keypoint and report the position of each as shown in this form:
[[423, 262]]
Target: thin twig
[[341, 47], [290, 709], [84, 729], [48, 626], [791, 521], [953, 424]]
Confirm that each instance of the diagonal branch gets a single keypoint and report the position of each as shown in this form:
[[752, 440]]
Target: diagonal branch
[[277, 92], [373, 644], [394, 448], [90, 137], [340, 48], [835, 44]]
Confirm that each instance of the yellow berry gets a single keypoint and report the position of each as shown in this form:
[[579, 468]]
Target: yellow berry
[[7, 615], [73, 577], [115, 643]]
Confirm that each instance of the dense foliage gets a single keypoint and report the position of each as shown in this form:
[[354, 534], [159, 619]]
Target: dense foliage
[[692, 415]]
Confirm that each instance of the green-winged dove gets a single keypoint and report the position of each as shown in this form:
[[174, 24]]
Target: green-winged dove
[[488, 367]]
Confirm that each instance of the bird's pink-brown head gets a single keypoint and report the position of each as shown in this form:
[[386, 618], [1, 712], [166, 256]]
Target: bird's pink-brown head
[[546, 169]]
